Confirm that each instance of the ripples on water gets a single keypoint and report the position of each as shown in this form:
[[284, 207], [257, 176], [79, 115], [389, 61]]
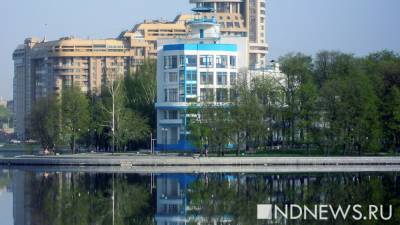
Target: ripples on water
[[64, 198]]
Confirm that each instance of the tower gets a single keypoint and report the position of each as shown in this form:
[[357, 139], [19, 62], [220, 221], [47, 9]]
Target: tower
[[202, 67], [242, 18]]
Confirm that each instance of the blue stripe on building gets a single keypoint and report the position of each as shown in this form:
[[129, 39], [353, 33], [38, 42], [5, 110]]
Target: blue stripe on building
[[201, 47]]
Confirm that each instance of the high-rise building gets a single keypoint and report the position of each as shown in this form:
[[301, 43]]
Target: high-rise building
[[152, 30], [201, 67], [241, 18], [45, 67]]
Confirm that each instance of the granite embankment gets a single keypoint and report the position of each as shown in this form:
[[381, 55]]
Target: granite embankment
[[167, 160]]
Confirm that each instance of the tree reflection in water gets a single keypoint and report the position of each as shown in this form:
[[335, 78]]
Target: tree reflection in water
[[86, 198]]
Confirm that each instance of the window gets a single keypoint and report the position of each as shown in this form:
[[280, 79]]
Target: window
[[206, 61], [173, 115], [221, 61], [191, 75], [232, 61], [170, 62], [165, 95], [165, 114], [233, 77], [181, 60], [222, 7], [173, 77], [182, 92], [165, 77], [181, 76], [222, 78], [191, 89], [206, 78], [222, 95], [173, 95], [191, 60], [207, 94]]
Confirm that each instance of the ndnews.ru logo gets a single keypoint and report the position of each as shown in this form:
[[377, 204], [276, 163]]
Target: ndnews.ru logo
[[324, 212]]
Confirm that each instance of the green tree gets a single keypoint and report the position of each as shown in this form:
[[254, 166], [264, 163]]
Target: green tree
[[270, 93], [247, 117], [5, 115], [298, 69], [198, 131], [309, 113], [141, 91], [45, 126], [391, 118], [126, 125], [75, 115]]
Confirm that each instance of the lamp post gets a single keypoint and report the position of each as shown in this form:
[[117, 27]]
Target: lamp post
[[152, 144]]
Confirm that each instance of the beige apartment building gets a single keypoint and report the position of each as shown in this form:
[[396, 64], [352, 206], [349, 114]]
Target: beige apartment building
[[242, 18], [45, 67]]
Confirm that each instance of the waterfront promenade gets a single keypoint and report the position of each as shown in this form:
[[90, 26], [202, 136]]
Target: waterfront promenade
[[131, 160]]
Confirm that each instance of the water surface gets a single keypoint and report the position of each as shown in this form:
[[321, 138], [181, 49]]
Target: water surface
[[68, 198]]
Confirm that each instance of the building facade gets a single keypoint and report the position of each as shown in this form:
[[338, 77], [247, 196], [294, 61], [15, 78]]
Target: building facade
[[242, 18], [44, 67], [199, 68]]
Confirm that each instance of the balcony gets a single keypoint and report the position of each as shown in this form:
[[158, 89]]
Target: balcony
[[171, 122], [203, 20]]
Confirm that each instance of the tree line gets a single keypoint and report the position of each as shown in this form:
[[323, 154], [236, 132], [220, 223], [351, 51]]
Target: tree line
[[335, 103], [120, 118]]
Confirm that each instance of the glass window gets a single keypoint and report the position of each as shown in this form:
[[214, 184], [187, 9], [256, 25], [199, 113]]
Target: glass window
[[207, 94], [191, 60], [191, 75], [165, 114], [232, 94], [181, 60], [166, 95], [223, 7], [170, 62], [221, 61], [173, 95], [222, 78], [232, 61], [222, 95], [173, 115], [191, 89], [206, 61], [173, 77], [181, 76], [206, 78], [233, 77], [182, 92], [174, 59]]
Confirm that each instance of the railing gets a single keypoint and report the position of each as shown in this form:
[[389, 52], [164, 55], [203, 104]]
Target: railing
[[204, 20]]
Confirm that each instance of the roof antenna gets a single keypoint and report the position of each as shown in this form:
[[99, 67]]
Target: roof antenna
[[45, 37]]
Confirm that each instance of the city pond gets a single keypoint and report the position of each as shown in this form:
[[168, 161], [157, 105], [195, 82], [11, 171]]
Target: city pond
[[37, 197]]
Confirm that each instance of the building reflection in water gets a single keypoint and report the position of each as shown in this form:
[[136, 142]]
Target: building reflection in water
[[185, 199], [21, 199]]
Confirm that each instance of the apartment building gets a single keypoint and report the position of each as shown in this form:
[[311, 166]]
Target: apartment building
[[45, 67], [241, 18], [152, 30], [201, 67]]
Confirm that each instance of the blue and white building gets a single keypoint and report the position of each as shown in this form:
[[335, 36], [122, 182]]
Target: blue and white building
[[191, 69]]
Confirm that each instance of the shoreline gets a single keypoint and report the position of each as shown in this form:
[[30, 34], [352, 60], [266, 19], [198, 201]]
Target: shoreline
[[208, 169], [168, 160]]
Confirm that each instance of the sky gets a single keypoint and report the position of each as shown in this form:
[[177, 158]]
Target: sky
[[307, 26]]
